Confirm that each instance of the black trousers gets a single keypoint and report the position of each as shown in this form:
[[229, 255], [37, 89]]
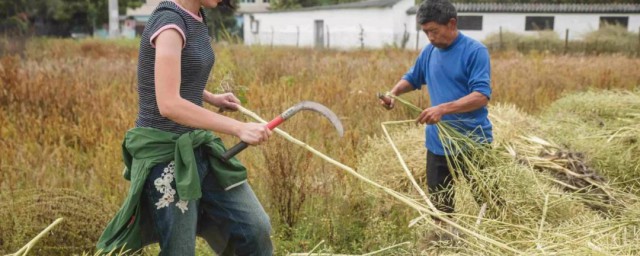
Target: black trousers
[[440, 183]]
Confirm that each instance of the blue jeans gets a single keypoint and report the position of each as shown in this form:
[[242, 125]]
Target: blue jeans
[[232, 222]]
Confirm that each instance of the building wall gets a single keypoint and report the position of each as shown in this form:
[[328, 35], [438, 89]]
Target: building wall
[[577, 24], [373, 27], [343, 28], [634, 23]]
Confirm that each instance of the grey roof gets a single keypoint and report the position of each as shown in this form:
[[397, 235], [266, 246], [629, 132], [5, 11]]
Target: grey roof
[[542, 8], [352, 5]]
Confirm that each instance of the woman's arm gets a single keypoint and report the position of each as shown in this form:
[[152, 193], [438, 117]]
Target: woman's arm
[[174, 107]]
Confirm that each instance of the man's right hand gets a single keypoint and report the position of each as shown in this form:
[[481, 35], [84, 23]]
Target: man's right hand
[[386, 101], [254, 133]]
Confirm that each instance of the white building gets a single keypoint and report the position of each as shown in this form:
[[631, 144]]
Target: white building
[[374, 23], [378, 23]]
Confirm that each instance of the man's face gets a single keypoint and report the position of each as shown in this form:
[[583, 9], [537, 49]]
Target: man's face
[[440, 36]]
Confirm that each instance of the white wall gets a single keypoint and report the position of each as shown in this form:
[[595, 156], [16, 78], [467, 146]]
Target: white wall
[[382, 27], [343, 26], [634, 23], [401, 22], [386, 26], [578, 24]]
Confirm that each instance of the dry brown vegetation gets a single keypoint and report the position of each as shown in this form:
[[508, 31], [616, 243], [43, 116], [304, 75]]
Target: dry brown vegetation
[[65, 106]]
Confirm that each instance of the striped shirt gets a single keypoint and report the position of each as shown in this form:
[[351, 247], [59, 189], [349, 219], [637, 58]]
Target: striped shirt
[[196, 63]]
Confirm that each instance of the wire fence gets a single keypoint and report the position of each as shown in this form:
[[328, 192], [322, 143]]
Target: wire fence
[[359, 37], [363, 37], [628, 44]]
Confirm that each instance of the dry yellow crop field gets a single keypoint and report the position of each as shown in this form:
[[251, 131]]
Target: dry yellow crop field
[[65, 106]]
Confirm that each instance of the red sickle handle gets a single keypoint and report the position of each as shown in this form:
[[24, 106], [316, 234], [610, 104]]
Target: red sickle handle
[[275, 122], [243, 145]]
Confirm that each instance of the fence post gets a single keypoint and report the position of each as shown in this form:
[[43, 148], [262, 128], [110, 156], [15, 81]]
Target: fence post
[[271, 36], [361, 37], [500, 44], [297, 36], [328, 38], [638, 54], [566, 41]]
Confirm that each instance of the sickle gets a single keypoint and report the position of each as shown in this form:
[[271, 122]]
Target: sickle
[[305, 105]]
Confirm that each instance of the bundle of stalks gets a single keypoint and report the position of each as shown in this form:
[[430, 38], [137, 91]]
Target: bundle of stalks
[[568, 169], [25, 213], [533, 214], [529, 211], [605, 125], [377, 160]]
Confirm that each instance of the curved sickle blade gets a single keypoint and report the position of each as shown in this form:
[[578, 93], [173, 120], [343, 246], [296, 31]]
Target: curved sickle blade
[[316, 107]]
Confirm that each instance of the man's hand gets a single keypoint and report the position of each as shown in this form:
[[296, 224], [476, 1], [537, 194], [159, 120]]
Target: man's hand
[[226, 101], [431, 115], [386, 101]]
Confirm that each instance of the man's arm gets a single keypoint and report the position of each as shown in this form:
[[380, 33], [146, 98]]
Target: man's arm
[[412, 80], [403, 86], [471, 102], [479, 85]]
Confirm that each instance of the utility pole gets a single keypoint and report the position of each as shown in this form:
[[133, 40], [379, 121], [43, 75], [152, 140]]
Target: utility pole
[[114, 29]]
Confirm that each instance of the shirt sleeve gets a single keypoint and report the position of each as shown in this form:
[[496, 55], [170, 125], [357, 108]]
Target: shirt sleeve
[[416, 74], [479, 69], [167, 20]]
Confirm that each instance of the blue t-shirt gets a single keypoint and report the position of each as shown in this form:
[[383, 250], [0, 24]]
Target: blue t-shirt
[[450, 74]]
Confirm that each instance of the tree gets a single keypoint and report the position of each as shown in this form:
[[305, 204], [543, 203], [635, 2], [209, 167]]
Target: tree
[[56, 17], [222, 23]]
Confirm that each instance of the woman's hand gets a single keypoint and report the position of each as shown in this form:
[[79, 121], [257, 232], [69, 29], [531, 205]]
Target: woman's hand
[[226, 101], [254, 133]]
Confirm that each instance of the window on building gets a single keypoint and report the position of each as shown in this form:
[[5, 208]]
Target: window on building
[[618, 21], [470, 22], [535, 23], [265, 1], [247, 1]]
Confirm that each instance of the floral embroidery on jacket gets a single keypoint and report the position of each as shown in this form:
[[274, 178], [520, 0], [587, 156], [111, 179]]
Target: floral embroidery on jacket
[[163, 185]]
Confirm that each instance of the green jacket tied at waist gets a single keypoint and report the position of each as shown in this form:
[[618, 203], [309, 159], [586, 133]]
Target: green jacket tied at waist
[[142, 149]]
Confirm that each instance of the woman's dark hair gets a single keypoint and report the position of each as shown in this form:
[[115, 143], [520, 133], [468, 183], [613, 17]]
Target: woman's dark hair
[[440, 11]]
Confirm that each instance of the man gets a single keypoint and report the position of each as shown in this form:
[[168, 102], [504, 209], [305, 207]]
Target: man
[[456, 70]]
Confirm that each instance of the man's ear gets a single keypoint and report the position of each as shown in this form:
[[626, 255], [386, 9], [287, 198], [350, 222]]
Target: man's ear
[[453, 23]]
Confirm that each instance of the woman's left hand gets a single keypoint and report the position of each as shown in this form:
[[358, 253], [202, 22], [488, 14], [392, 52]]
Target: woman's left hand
[[226, 101]]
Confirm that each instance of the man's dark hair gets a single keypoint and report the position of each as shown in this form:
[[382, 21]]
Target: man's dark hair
[[440, 11]]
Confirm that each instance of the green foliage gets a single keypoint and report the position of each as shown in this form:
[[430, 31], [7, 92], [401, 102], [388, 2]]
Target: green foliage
[[63, 13], [608, 39], [222, 24]]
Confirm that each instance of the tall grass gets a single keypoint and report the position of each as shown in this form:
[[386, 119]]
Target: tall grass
[[65, 105]]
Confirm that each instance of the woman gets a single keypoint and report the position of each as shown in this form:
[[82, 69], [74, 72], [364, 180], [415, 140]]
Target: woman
[[179, 185]]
